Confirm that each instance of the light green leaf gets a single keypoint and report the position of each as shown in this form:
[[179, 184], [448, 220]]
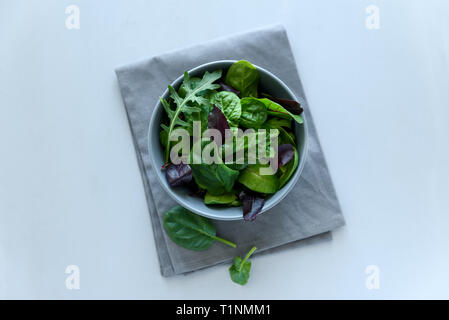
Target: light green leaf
[[244, 77], [229, 103], [225, 198], [251, 178], [240, 269]]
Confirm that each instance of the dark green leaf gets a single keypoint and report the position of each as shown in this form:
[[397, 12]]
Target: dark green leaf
[[254, 113], [284, 135], [279, 122], [237, 166], [215, 178], [189, 230]]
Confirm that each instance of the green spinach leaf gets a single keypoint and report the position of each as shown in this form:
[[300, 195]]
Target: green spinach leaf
[[239, 271], [277, 110], [253, 180], [244, 77], [237, 166], [254, 113], [284, 135], [229, 103], [189, 230], [279, 122], [225, 198], [216, 178]]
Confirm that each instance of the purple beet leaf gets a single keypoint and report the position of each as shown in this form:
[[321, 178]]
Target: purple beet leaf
[[286, 152], [178, 174], [225, 87], [217, 120], [252, 205], [291, 105]]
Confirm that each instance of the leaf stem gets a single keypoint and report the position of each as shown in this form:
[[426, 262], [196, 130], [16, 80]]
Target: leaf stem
[[247, 256], [229, 243]]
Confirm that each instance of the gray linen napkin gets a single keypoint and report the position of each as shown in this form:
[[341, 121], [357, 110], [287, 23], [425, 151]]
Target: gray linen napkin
[[310, 209]]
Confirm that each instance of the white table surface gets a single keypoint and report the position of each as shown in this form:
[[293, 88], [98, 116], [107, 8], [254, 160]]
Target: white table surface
[[71, 191]]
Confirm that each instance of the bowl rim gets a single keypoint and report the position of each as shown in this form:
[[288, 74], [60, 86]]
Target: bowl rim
[[286, 189]]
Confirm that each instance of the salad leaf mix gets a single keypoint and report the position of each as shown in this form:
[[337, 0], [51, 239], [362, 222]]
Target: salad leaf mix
[[229, 102]]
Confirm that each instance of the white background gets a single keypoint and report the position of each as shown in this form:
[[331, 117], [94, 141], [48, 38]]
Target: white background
[[70, 187]]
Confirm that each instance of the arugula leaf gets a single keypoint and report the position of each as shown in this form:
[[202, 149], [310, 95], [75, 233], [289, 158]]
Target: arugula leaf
[[239, 271], [171, 115], [202, 115], [189, 230], [191, 94], [182, 91], [190, 114]]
